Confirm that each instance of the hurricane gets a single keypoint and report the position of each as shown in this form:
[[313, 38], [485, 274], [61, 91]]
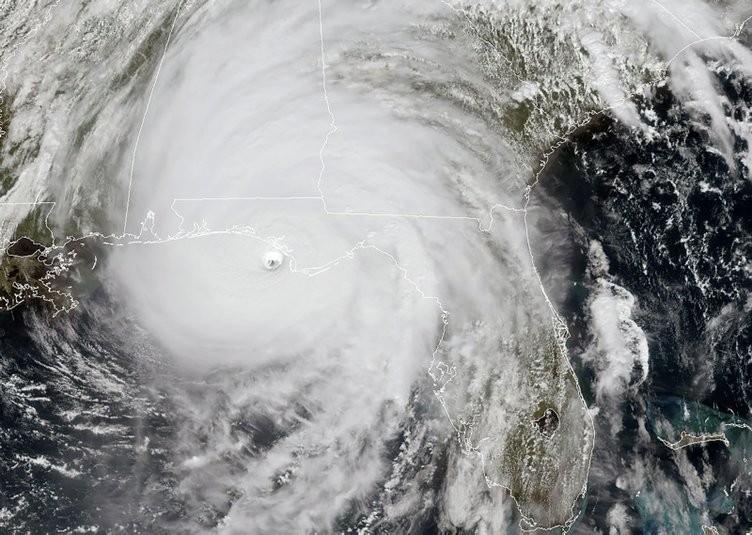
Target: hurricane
[[369, 266]]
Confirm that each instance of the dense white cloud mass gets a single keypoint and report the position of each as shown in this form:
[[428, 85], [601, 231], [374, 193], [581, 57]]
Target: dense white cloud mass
[[376, 203]]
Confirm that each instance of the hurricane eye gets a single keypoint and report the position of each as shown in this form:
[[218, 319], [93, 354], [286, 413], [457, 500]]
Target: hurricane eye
[[273, 259]]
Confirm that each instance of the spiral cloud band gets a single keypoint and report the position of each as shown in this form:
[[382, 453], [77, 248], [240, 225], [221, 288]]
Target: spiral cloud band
[[402, 258]]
